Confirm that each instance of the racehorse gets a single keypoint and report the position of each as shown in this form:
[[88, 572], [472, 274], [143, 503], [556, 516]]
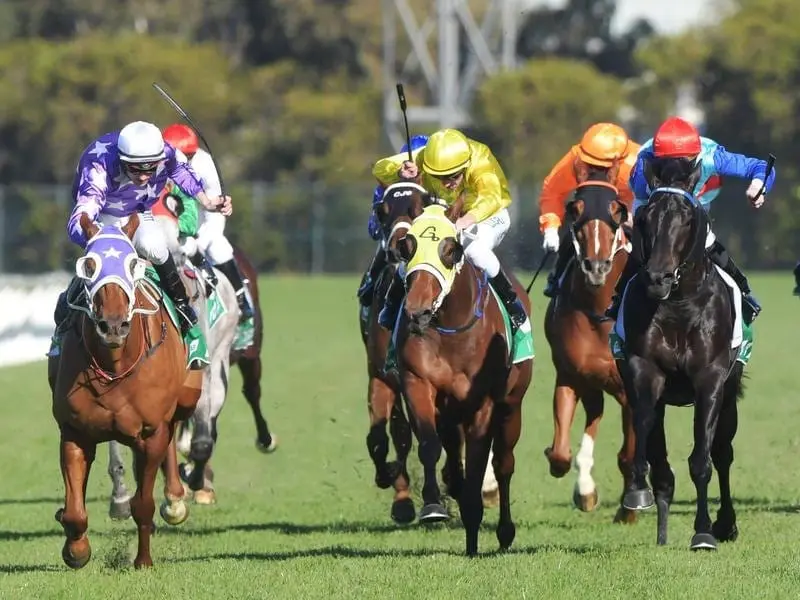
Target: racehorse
[[218, 317], [577, 329], [121, 376], [454, 363], [681, 326]]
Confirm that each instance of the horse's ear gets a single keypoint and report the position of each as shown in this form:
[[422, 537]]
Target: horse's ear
[[619, 212], [694, 177], [131, 226], [613, 172], [575, 208], [653, 182], [88, 226], [416, 206], [581, 170]]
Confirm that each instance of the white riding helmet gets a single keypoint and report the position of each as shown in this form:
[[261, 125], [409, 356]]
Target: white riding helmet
[[140, 142]]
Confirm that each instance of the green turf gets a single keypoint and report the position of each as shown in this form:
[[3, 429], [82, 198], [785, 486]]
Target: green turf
[[308, 522]]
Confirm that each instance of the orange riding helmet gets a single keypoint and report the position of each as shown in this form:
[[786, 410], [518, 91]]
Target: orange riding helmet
[[603, 143]]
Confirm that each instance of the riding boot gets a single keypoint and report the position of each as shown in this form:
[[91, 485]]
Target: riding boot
[[391, 303], [565, 253], [631, 267], [231, 271], [171, 283], [61, 314], [200, 261], [366, 290], [797, 279], [504, 288], [719, 255]]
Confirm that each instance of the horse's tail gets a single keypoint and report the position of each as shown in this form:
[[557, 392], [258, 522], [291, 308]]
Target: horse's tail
[[734, 385]]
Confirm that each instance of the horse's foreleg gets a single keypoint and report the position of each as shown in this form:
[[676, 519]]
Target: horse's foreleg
[[119, 506], [380, 401], [478, 442], [661, 476], [149, 454], [559, 455], [584, 495], [173, 509], [251, 388], [76, 461], [724, 528], [422, 399], [644, 385], [508, 429], [625, 460], [706, 416]]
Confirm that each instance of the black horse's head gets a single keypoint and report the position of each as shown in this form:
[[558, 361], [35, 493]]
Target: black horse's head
[[402, 203], [673, 225]]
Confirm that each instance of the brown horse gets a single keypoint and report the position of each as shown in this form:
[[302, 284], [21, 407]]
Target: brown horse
[[577, 329], [456, 370], [121, 376]]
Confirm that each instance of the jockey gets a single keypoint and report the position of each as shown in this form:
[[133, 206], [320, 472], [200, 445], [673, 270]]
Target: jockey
[[601, 145], [122, 173], [452, 165], [367, 287], [210, 237], [677, 139]]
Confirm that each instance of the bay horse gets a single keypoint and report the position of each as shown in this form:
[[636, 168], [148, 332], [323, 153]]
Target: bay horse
[[454, 362], [577, 330], [681, 326], [121, 376]]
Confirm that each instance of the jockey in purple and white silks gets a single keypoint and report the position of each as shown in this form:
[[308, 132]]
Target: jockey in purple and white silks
[[367, 287], [122, 173]]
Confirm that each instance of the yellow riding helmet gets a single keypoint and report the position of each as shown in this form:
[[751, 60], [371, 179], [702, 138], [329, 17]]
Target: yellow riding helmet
[[602, 144], [446, 152]]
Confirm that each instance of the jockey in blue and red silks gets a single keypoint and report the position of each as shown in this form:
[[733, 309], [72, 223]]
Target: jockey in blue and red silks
[[122, 173], [678, 140], [367, 286]]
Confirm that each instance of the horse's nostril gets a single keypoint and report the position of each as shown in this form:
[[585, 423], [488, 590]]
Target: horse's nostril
[[587, 264], [124, 327], [103, 327]]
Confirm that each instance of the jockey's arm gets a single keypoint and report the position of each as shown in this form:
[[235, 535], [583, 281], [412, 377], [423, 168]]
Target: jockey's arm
[[557, 186], [488, 196], [731, 164], [386, 169], [638, 184], [90, 199], [185, 178]]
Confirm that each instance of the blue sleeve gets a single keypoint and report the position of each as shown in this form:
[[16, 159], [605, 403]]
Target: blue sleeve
[[374, 226], [731, 164], [637, 182]]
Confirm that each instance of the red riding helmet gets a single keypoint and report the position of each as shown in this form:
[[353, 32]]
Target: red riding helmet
[[182, 137], [676, 138]]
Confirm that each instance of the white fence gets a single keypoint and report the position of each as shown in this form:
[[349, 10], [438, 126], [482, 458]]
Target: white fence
[[26, 315]]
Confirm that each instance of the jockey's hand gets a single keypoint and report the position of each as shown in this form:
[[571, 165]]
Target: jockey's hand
[[752, 191], [222, 204], [409, 171], [465, 222], [551, 240]]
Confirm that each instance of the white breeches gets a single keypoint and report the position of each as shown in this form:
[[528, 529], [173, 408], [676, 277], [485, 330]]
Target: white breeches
[[481, 239], [148, 240], [710, 237], [211, 238]]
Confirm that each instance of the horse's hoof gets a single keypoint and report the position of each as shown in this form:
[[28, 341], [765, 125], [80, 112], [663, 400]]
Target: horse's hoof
[[267, 448], [142, 563], [403, 511], [490, 498], [120, 510], [174, 513], [75, 562], [638, 499], [703, 541], [433, 513], [585, 502], [625, 516], [729, 534], [185, 471], [205, 496], [506, 532], [559, 467], [59, 514]]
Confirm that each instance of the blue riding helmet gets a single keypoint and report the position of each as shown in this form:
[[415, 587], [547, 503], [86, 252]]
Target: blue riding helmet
[[374, 228]]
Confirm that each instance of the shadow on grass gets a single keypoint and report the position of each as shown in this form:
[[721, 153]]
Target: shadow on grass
[[56, 500], [745, 504]]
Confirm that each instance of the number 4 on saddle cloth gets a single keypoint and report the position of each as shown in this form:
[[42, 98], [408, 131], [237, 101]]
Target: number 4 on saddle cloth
[[429, 229], [742, 330]]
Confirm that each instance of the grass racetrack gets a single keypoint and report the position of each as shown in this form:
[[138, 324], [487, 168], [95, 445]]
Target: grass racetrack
[[308, 521]]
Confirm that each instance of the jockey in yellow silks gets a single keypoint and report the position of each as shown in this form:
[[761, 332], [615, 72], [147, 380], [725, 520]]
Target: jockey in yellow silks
[[449, 165]]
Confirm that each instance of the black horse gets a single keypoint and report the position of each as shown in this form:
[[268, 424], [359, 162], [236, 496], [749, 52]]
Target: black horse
[[678, 317]]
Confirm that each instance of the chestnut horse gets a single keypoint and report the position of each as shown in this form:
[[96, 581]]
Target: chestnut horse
[[577, 329], [121, 376], [455, 365]]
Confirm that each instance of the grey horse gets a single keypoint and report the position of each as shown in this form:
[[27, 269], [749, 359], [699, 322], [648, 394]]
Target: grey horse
[[219, 322]]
